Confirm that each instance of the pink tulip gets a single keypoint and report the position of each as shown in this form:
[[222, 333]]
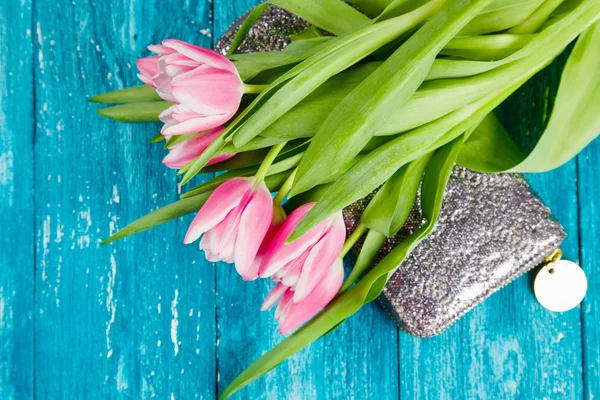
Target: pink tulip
[[184, 152], [290, 314], [204, 86], [234, 220], [148, 66], [308, 269]]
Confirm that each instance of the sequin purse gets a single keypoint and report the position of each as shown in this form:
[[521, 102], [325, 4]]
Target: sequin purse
[[492, 228]]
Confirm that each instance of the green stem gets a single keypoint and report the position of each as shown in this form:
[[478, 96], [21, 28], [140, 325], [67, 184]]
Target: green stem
[[285, 189], [253, 89], [538, 18], [269, 159], [353, 238]]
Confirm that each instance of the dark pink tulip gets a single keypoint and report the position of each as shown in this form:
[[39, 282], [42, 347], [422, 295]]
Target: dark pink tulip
[[308, 270], [234, 220], [184, 152], [204, 86]]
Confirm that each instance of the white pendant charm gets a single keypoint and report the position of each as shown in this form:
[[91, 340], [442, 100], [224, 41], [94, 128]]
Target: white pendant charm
[[560, 286]]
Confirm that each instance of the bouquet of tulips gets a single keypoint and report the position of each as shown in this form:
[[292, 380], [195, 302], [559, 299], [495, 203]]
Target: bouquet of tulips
[[384, 99]]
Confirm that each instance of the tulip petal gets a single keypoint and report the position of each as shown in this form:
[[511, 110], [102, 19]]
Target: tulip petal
[[253, 227], [284, 306], [274, 296], [199, 124], [321, 257], [224, 199], [160, 49], [297, 314], [148, 67], [280, 253], [184, 152], [208, 90], [201, 54]]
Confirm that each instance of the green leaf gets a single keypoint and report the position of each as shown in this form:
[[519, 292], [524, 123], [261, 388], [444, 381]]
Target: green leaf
[[490, 148], [160, 216], [135, 112], [136, 94], [501, 15], [176, 139], [574, 122], [371, 7], [562, 31], [377, 166], [334, 16], [309, 33], [157, 138], [245, 27], [575, 119], [391, 205], [359, 115], [366, 258], [335, 56]]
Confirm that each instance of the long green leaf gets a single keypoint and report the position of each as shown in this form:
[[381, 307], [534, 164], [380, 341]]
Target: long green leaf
[[337, 55], [360, 114], [563, 30], [245, 27], [334, 16], [160, 216], [501, 15], [136, 94], [391, 205], [574, 122], [135, 112], [376, 167]]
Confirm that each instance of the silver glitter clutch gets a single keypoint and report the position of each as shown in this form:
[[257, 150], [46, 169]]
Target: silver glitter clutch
[[492, 228]]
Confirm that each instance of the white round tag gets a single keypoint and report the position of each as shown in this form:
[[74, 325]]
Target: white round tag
[[560, 286]]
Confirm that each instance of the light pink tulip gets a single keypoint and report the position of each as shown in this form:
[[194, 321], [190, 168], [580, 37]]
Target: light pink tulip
[[148, 66], [308, 269], [290, 314], [204, 86], [184, 152], [234, 220]]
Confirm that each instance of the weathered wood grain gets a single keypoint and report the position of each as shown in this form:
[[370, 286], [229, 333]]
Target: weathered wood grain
[[148, 316], [589, 225], [357, 361], [134, 319], [16, 201]]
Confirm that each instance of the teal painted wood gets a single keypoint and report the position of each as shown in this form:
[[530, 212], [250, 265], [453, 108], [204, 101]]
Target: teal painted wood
[[142, 317], [135, 319], [16, 201], [357, 361], [589, 222]]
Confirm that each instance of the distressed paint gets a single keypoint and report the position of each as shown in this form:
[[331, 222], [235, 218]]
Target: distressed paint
[[589, 223], [134, 319], [16, 202], [150, 317]]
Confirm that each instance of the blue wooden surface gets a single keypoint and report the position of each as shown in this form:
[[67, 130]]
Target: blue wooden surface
[[148, 317]]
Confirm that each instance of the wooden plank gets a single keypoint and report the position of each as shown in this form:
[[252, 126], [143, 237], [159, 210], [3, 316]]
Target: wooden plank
[[589, 225], [356, 361], [134, 319], [16, 201], [509, 345]]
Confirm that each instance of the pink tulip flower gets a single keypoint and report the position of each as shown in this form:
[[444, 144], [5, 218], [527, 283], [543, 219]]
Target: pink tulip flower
[[204, 86], [308, 269], [290, 314], [184, 152], [234, 220], [149, 67]]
